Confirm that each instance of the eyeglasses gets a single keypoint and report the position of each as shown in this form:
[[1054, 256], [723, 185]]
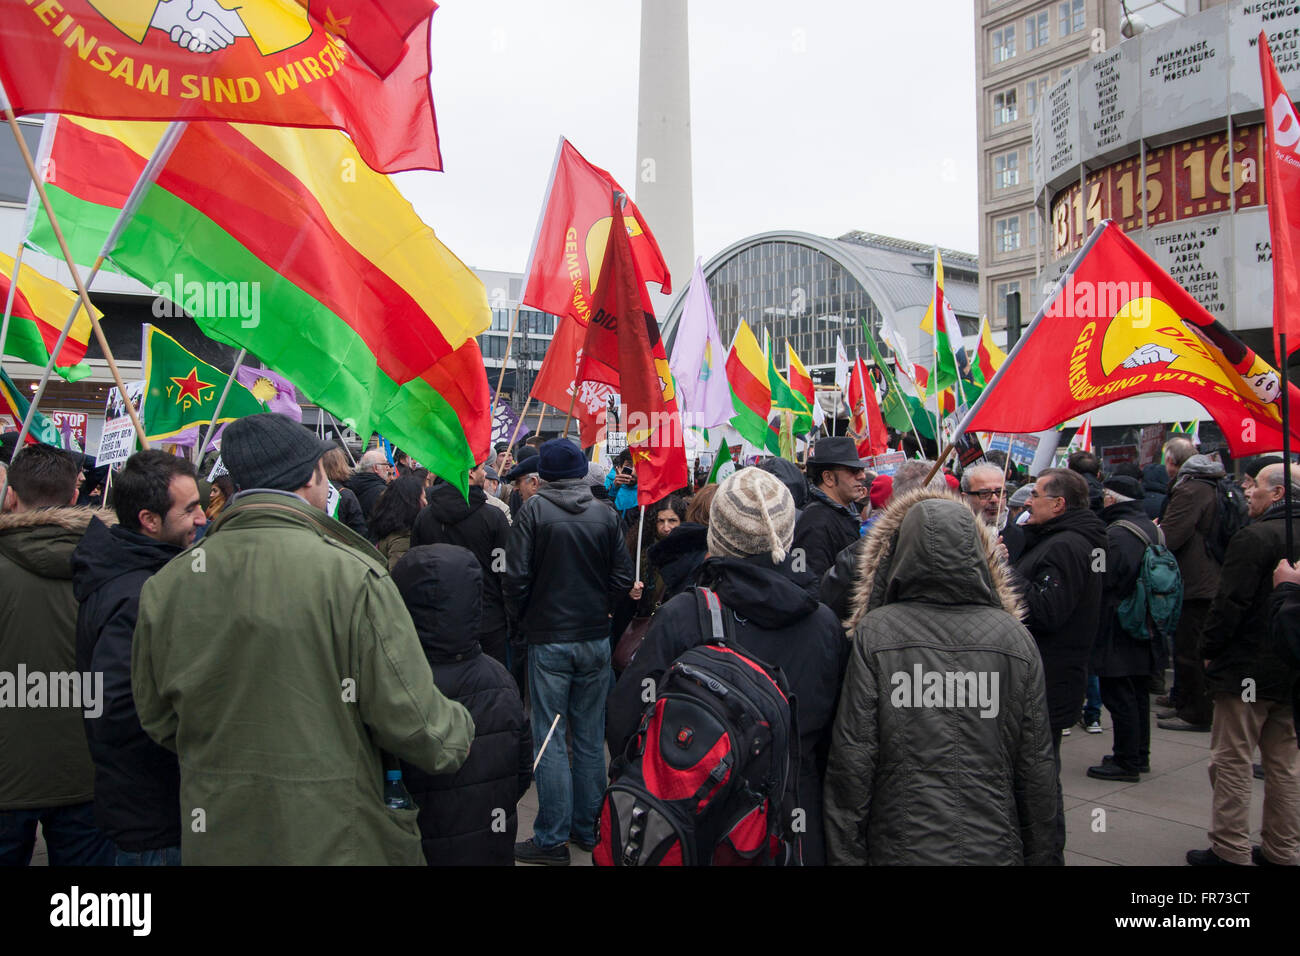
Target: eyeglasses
[[1035, 494], [986, 494]]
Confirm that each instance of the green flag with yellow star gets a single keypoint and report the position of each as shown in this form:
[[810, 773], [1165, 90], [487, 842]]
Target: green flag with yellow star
[[182, 390]]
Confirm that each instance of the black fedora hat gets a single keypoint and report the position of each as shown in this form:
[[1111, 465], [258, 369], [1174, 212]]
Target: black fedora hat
[[836, 450]]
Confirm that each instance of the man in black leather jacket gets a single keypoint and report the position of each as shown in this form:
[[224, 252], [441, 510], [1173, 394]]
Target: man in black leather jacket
[[566, 560]]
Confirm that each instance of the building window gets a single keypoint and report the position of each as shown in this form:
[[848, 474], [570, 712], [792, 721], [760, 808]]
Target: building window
[[1006, 170], [14, 181], [1035, 93], [1038, 30], [1004, 43], [1004, 289], [1007, 238], [1004, 108], [1072, 17]]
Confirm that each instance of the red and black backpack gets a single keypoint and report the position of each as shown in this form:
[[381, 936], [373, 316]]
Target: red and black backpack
[[710, 776]]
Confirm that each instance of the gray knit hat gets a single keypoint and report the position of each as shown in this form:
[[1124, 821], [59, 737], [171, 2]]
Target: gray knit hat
[[752, 513], [270, 451]]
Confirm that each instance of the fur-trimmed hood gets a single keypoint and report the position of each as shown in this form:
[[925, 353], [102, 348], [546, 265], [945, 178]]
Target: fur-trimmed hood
[[42, 541], [927, 545]]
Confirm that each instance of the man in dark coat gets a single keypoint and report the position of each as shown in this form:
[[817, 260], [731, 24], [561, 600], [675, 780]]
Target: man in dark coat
[[1124, 663], [789, 475], [450, 519], [776, 619], [1088, 465], [1252, 688], [137, 781], [829, 523], [1190, 518], [1155, 489], [46, 776], [1060, 576], [467, 818], [565, 563], [966, 777], [370, 479]]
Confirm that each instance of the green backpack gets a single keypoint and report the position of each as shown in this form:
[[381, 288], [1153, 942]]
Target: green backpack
[[1157, 599]]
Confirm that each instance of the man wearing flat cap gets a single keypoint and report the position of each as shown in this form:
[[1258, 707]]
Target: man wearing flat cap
[[276, 657], [829, 523]]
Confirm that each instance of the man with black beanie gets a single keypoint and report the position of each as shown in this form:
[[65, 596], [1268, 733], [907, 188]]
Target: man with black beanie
[[276, 657], [565, 562]]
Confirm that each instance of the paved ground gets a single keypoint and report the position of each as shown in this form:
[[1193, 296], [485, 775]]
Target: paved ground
[[1152, 823]]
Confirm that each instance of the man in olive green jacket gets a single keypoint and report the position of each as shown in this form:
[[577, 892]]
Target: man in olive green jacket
[[277, 659]]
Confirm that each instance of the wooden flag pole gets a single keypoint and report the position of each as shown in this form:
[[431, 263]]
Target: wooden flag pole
[[567, 418], [216, 412], [540, 412], [9, 299], [1005, 468], [82, 291], [501, 377], [519, 423]]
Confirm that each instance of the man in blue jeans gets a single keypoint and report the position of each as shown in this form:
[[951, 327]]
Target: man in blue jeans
[[565, 562]]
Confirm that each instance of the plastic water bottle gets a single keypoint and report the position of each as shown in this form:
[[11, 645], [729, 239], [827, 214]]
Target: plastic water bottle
[[396, 796]]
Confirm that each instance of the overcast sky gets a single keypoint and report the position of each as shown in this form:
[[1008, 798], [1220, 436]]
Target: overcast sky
[[820, 116]]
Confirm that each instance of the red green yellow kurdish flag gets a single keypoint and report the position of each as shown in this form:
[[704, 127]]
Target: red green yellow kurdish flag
[[283, 242], [801, 384], [750, 393], [181, 390], [940, 320], [989, 358], [355, 65], [40, 308], [14, 405]]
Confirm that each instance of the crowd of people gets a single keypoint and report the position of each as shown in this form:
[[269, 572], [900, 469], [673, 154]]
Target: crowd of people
[[313, 661]]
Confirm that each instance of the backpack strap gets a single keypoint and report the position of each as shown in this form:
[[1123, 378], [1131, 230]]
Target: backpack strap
[[713, 625], [1134, 529]]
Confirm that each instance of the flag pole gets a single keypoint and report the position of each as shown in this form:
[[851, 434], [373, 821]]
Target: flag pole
[[1020, 343], [216, 412], [1286, 444], [541, 410], [640, 530], [510, 337], [519, 423], [1006, 467], [9, 299], [570, 416], [128, 210], [342, 441]]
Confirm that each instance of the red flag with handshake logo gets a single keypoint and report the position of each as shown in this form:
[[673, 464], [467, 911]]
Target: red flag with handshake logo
[[562, 277], [564, 267], [1282, 185], [356, 65]]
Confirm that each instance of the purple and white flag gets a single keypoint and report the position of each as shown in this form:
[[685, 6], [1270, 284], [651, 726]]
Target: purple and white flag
[[699, 361]]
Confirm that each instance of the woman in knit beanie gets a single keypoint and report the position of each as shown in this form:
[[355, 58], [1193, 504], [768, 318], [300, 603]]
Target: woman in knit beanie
[[752, 513], [773, 613]]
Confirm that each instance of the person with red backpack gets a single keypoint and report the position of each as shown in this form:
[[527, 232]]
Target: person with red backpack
[[791, 646]]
